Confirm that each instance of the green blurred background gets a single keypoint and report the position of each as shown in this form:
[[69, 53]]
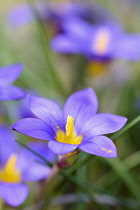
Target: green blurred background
[[99, 183]]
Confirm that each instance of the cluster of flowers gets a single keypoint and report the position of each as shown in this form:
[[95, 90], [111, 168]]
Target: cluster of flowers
[[102, 41], [77, 127], [75, 32]]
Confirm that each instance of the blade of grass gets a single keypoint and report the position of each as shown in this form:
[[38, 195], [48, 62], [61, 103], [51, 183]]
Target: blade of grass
[[52, 73], [126, 128], [34, 152], [81, 173], [130, 162], [89, 188], [124, 174]]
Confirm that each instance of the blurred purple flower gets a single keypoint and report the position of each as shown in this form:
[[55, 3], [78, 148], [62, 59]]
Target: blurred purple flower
[[89, 11], [77, 126], [57, 12], [100, 42], [8, 75], [18, 165], [21, 14], [21, 109]]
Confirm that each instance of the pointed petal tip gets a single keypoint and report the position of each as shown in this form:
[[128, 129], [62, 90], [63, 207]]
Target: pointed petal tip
[[12, 128], [125, 119]]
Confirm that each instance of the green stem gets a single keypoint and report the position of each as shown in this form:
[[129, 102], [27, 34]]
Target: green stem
[[81, 173], [124, 174], [127, 127], [109, 178], [78, 184], [80, 163], [91, 189], [47, 52], [79, 73], [44, 186], [1, 204], [34, 152]]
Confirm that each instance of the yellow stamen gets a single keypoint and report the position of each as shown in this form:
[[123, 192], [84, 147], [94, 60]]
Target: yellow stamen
[[70, 137], [101, 42], [69, 125], [10, 173]]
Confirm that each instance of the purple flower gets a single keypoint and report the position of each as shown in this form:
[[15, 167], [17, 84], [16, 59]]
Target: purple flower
[[89, 11], [21, 109], [18, 165], [20, 15], [57, 12], [101, 42], [8, 75], [77, 126]]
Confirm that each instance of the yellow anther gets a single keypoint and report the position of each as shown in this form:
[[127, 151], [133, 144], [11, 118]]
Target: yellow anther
[[69, 125], [101, 41], [10, 173], [106, 150], [60, 136], [70, 137], [109, 151]]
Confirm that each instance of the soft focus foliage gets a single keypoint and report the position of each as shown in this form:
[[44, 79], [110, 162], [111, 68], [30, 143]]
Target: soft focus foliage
[[53, 51]]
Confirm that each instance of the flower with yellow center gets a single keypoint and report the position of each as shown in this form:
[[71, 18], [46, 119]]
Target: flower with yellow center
[[9, 173], [77, 126], [18, 165]]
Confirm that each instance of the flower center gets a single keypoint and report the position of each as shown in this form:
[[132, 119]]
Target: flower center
[[9, 173], [70, 136], [101, 41], [97, 68]]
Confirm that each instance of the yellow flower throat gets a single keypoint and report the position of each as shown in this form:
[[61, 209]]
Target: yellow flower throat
[[101, 42], [70, 136], [9, 173]]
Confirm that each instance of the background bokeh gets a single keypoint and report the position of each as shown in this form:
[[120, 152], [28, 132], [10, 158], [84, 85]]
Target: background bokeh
[[102, 183]]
